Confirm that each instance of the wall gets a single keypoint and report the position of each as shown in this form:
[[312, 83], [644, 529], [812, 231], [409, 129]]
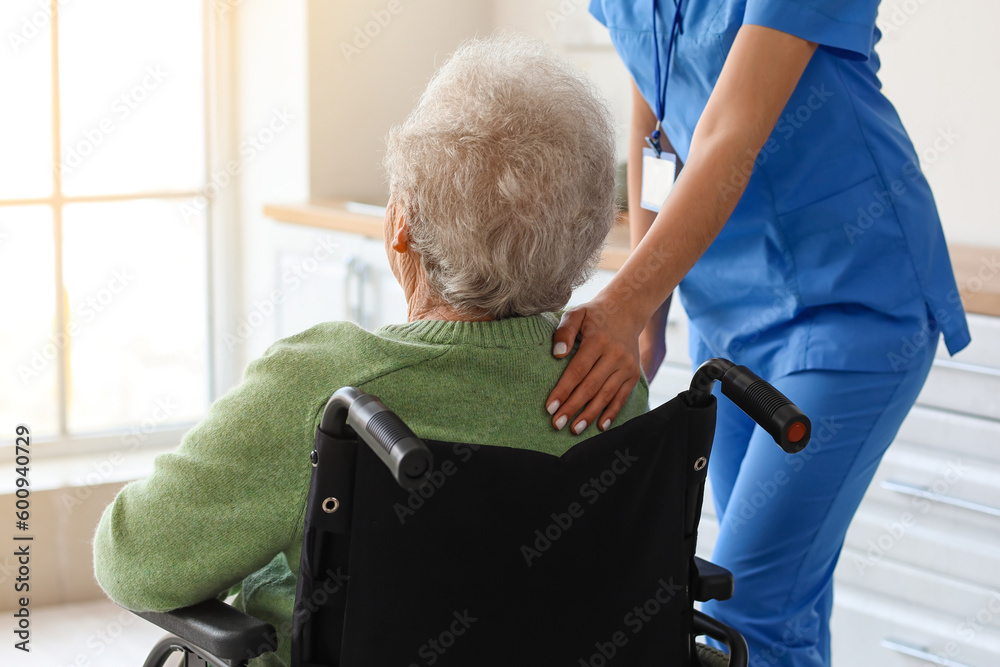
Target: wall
[[271, 86], [369, 60], [941, 64], [61, 564], [575, 34], [941, 68]]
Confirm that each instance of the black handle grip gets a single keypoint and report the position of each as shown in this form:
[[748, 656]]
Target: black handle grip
[[404, 454], [767, 406]]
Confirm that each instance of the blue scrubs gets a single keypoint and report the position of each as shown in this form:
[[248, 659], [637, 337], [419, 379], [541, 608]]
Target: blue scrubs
[[783, 517], [832, 272]]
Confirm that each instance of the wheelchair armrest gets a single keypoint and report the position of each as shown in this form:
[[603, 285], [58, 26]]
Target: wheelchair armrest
[[739, 654], [713, 582], [217, 628]]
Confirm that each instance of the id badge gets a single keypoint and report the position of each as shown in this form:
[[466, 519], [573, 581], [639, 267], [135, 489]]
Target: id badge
[[658, 174]]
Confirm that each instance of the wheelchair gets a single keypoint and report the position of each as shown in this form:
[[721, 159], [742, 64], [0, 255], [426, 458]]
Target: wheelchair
[[435, 553]]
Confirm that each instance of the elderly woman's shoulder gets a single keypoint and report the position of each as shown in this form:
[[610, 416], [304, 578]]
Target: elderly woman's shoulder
[[340, 351], [321, 335], [321, 341]]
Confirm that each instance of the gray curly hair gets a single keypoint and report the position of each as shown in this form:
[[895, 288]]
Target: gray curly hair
[[505, 170]]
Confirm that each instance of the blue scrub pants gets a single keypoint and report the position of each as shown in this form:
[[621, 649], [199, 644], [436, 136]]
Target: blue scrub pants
[[783, 517]]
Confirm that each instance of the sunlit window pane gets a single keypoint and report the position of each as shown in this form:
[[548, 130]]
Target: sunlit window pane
[[29, 345], [131, 76], [26, 94], [135, 275]]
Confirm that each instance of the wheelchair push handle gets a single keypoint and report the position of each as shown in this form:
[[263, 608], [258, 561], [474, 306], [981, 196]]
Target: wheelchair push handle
[[767, 406], [406, 456]]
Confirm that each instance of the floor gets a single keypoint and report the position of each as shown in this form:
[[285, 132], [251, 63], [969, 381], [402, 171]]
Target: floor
[[90, 634]]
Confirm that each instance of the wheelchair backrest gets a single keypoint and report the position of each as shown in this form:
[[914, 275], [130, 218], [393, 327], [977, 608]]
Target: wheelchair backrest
[[507, 556]]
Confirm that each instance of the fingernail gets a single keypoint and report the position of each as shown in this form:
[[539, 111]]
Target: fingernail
[[606, 425], [561, 422], [578, 429], [553, 406], [560, 348]]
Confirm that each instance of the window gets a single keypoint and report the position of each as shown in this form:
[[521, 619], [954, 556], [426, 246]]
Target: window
[[104, 258]]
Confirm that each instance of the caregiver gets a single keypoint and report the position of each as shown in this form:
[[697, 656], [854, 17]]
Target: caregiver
[[806, 245]]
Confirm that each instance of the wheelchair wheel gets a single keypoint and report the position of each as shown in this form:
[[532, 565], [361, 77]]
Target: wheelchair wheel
[[163, 651], [711, 657], [173, 651]]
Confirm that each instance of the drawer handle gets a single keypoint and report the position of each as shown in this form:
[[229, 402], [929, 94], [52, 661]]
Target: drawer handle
[[924, 492], [920, 653], [966, 366]]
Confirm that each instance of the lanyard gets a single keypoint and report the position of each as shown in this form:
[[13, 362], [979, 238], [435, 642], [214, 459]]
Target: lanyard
[[661, 82]]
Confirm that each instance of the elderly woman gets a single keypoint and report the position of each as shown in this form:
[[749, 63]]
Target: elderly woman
[[502, 193]]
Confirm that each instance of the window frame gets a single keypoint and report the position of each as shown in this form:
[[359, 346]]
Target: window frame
[[221, 232]]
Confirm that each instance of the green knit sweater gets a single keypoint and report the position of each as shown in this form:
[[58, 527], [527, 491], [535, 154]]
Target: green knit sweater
[[226, 507]]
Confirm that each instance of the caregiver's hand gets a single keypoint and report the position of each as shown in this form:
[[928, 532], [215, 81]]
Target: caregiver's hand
[[603, 371]]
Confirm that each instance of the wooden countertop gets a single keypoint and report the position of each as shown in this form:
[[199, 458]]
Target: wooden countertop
[[977, 270]]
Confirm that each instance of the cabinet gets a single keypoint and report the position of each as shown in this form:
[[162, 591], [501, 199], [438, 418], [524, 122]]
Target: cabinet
[[333, 276], [918, 582]]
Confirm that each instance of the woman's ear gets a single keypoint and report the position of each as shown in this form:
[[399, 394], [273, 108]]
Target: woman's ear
[[400, 241]]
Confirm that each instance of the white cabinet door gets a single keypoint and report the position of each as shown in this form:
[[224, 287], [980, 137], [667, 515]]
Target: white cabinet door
[[380, 299], [317, 297], [312, 277], [331, 276]]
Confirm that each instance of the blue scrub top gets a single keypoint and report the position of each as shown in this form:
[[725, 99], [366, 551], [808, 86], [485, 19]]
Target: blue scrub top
[[834, 257]]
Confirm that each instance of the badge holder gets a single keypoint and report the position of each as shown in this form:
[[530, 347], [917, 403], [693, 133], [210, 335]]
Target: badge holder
[[659, 167], [659, 171]]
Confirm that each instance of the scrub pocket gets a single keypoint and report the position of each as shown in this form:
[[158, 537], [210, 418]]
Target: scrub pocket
[[849, 248]]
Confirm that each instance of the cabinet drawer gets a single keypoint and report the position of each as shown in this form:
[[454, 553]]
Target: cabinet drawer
[[870, 629], [913, 538], [953, 434], [969, 382], [932, 510], [899, 552], [962, 388], [962, 489], [984, 349]]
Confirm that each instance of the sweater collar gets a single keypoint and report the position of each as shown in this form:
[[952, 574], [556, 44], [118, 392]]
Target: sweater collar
[[510, 332]]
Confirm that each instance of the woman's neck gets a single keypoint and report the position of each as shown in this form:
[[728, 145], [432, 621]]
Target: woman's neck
[[425, 304]]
